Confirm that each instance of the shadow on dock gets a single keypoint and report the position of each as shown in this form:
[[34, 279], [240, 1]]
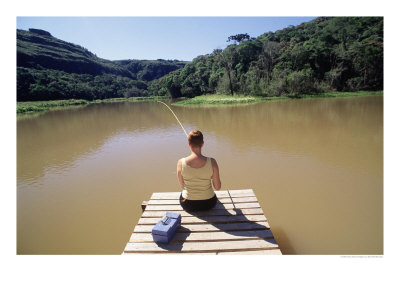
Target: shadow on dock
[[244, 227], [237, 229], [237, 225]]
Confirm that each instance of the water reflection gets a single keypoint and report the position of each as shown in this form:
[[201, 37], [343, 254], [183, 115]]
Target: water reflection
[[315, 165]]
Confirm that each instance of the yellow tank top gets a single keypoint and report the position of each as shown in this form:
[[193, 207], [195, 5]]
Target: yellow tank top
[[197, 181]]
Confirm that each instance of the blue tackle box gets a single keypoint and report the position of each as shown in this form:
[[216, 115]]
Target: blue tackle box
[[165, 229]]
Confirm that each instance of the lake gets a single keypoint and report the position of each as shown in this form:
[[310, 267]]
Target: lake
[[315, 165]]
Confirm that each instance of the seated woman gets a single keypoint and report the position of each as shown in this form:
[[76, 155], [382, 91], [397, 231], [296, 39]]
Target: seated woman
[[195, 173]]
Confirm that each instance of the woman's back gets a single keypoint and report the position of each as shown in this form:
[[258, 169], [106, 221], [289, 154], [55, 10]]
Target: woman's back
[[197, 173]]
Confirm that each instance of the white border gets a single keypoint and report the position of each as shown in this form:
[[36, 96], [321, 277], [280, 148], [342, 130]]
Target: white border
[[195, 277]]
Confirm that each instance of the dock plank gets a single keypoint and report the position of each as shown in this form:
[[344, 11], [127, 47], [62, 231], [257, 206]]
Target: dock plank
[[211, 227], [172, 253], [217, 206], [219, 212], [253, 252], [209, 219], [231, 193], [213, 246], [167, 195], [206, 236], [241, 193], [221, 194], [221, 200]]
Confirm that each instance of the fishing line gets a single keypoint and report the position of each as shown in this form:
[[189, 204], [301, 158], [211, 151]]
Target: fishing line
[[175, 117], [234, 207]]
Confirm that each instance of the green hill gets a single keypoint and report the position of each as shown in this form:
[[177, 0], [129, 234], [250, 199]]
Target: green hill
[[49, 68], [324, 55]]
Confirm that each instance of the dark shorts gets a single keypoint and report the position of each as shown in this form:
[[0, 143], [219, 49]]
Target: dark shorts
[[191, 205]]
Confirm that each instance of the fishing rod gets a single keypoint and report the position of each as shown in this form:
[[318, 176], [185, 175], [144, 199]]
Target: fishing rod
[[234, 207], [175, 117]]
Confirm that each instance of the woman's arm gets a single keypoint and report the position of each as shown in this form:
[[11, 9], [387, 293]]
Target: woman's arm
[[215, 176], [179, 173]]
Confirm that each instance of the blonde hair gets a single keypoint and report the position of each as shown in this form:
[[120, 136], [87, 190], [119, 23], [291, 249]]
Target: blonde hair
[[195, 138]]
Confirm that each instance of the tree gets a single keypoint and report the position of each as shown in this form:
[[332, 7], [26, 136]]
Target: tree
[[270, 56], [227, 60], [239, 37]]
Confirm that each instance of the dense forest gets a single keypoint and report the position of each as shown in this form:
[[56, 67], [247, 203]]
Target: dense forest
[[51, 69], [325, 54]]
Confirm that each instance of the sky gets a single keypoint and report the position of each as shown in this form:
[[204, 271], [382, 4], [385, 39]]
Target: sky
[[182, 38]]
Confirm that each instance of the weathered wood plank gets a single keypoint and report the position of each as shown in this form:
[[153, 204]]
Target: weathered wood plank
[[254, 252], [167, 195], [209, 219], [241, 193], [203, 246], [217, 206], [221, 200], [211, 227], [170, 253], [218, 212], [224, 193], [206, 236], [163, 201]]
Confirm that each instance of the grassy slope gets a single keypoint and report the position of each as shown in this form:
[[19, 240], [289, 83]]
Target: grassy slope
[[49, 52]]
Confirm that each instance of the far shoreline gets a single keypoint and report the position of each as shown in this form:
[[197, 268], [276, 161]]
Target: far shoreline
[[210, 99], [215, 99]]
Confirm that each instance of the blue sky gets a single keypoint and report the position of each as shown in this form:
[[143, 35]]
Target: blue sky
[[181, 38]]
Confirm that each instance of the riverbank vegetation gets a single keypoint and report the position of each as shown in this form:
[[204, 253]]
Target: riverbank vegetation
[[221, 99], [40, 106], [237, 99]]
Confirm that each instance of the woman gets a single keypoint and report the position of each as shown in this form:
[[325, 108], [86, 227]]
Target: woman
[[195, 173]]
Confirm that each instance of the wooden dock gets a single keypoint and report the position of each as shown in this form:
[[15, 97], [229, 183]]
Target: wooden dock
[[236, 225]]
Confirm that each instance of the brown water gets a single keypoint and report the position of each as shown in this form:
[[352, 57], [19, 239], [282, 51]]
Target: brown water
[[316, 167]]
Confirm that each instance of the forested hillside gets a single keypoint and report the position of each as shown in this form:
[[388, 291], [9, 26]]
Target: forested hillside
[[325, 54], [50, 69]]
